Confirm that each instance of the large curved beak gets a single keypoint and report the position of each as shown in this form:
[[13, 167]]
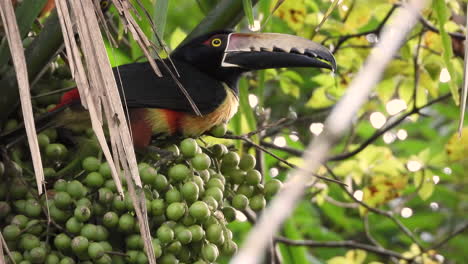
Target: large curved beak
[[273, 50]]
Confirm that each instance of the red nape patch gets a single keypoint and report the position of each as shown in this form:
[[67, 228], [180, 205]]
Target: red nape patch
[[67, 98], [173, 119]]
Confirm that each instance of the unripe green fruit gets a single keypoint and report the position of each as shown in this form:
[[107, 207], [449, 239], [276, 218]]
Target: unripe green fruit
[[175, 211], [105, 170], [11, 232], [198, 233], [32, 208], [56, 151], [34, 227], [110, 219], [76, 189], [38, 255], [102, 234], [247, 162], [20, 220], [214, 192], [216, 183], [79, 244], [105, 259], [49, 173], [229, 248], [105, 195], [272, 187], [229, 213], [253, 177], [173, 196], [237, 176], [201, 162], [219, 130], [82, 213], [257, 202], [174, 247], [230, 160], [62, 242], [199, 210], [158, 207], [148, 175], [126, 223], [52, 259], [90, 164], [179, 173], [184, 236], [73, 225], [94, 180], [62, 200], [67, 260], [219, 150], [247, 190], [214, 234], [168, 259], [119, 204], [60, 185], [134, 242], [43, 140], [58, 215], [211, 202], [240, 202], [188, 147], [210, 252], [95, 250], [28, 242], [160, 183], [157, 248], [190, 191], [89, 231], [165, 234]]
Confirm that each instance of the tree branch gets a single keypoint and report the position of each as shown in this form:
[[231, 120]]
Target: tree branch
[[340, 244]]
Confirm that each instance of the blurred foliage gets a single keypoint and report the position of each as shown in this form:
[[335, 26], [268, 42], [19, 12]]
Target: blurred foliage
[[414, 170]]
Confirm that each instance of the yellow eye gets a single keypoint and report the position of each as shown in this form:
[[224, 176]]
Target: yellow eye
[[216, 42], [104, 4]]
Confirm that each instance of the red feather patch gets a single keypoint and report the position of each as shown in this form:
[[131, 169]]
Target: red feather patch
[[67, 98]]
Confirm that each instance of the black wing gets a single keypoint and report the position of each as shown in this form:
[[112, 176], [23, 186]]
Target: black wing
[[142, 88]]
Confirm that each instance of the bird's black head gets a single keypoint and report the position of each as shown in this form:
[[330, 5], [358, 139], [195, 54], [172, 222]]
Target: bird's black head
[[225, 55]]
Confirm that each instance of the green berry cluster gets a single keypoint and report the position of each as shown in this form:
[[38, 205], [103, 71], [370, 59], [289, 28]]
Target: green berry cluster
[[190, 199]]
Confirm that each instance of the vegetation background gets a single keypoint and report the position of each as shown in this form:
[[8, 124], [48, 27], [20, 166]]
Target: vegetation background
[[403, 163]]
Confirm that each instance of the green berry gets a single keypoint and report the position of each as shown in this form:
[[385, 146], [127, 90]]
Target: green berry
[[82, 213], [94, 180], [188, 147], [95, 250], [201, 162], [247, 162], [219, 130], [253, 177], [199, 210], [179, 173], [90, 164], [175, 211], [272, 187], [240, 202], [257, 202]]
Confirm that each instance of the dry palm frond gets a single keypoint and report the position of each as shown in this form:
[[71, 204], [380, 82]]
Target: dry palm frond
[[98, 90], [17, 53]]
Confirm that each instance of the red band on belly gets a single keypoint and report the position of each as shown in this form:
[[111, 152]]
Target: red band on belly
[[172, 119]]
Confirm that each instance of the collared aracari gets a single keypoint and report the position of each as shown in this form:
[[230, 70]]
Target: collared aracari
[[209, 67]]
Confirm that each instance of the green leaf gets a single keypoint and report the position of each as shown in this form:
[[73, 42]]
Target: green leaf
[[441, 11], [248, 10], [176, 38]]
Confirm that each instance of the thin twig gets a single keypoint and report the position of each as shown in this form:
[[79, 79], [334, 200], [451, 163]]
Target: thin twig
[[442, 243], [341, 244], [387, 214]]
